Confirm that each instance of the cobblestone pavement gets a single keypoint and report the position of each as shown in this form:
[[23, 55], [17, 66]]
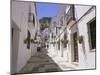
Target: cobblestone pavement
[[42, 63], [38, 64]]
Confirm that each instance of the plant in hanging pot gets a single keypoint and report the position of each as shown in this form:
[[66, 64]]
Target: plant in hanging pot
[[62, 40], [25, 41], [80, 39], [32, 41], [65, 43], [58, 41]]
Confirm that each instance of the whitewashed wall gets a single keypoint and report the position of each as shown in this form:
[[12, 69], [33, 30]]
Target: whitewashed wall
[[14, 48], [20, 11], [86, 60]]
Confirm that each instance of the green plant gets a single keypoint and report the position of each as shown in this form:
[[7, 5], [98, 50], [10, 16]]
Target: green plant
[[80, 39], [65, 42], [62, 40], [25, 41], [32, 41]]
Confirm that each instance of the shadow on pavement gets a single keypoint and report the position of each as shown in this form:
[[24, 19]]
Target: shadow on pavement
[[40, 63]]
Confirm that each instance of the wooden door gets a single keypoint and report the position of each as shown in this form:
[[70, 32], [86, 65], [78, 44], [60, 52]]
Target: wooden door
[[75, 47]]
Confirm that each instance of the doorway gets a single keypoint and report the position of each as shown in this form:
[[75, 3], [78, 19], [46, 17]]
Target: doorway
[[75, 48]]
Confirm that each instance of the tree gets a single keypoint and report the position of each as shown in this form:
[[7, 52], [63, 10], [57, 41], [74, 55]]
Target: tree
[[44, 22]]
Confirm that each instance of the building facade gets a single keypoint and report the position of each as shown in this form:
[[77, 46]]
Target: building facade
[[86, 23], [75, 40], [24, 26]]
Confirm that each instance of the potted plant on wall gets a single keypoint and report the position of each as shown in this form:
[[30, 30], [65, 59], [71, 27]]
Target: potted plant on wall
[[32, 41], [80, 39], [65, 42], [62, 41], [25, 41]]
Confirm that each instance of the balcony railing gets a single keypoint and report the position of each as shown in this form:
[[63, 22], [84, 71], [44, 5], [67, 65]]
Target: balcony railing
[[70, 15]]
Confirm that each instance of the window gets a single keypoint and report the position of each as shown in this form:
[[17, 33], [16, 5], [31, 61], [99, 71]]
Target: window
[[28, 39], [54, 23], [73, 12], [52, 35], [65, 40], [61, 21], [31, 17], [56, 31], [70, 15], [33, 20], [92, 33], [12, 33], [59, 44]]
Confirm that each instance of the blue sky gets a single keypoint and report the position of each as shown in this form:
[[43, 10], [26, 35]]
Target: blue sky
[[47, 9]]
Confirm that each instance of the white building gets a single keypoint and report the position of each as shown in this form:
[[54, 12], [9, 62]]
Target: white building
[[76, 38], [24, 25], [57, 23], [86, 23]]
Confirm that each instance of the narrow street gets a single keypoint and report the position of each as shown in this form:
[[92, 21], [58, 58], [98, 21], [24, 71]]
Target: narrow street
[[50, 37], [43, 62]]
